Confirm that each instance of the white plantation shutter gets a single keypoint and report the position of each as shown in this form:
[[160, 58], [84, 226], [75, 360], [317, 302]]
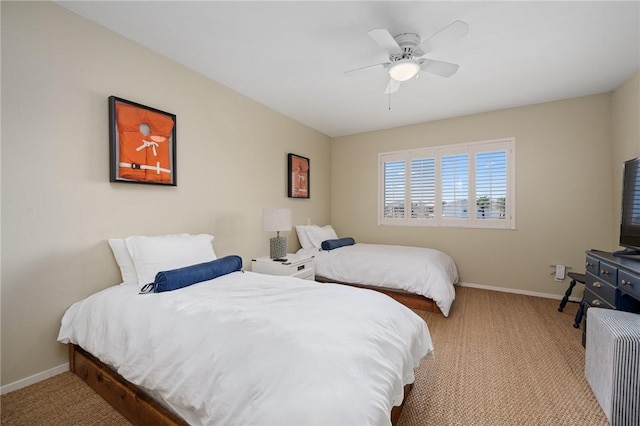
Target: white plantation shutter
[[454, 180], [462, 185], [394, 189], [423, 188], [491, 185]]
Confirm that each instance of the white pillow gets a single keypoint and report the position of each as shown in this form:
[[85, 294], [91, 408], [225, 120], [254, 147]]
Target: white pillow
[[124, 261], [319, 234], [151, 255], [305, 242]]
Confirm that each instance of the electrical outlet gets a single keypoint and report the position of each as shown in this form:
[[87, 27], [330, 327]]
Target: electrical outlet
[[560, 272]]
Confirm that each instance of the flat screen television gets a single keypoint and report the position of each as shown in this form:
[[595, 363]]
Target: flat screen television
[[630, 213]]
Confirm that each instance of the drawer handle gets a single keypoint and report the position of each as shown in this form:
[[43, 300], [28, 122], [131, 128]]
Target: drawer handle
[[589, 264], [625, 282], [300, 268], [603, 272], [595, 302], [597, 284]]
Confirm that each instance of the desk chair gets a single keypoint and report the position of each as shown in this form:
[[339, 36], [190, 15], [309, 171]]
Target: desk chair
[[575, 278]]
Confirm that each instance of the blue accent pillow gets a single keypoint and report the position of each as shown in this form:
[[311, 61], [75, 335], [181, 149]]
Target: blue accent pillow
[[188, 275], [340, 242]]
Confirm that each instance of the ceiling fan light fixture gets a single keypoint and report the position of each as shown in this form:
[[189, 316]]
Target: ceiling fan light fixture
[[404, 70]]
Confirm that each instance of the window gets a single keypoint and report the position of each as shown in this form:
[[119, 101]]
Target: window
[[464, 185], [423, 187], [394, 189]]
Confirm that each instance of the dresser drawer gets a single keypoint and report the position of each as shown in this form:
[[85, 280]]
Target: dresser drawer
[[590, 300], [629, 283], [608, 273], [601, 288], [592, 265], [595, 301]]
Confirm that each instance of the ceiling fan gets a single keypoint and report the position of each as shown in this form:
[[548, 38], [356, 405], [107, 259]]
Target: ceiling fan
[[406, 53]]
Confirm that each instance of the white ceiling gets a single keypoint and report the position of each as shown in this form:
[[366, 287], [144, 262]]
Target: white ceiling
[[291, 55]]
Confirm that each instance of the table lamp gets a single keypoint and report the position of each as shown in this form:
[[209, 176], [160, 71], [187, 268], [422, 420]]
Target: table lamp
[[277, 220]]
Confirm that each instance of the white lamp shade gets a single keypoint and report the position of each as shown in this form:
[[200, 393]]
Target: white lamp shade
[[404, 70], [275, 220]]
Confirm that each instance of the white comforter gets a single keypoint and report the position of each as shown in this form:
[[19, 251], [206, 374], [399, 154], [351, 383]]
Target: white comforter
[[424, 271], [254, 349]]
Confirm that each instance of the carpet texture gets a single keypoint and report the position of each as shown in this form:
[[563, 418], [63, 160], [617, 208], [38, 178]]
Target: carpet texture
[[60, 400], [500, 359], [503, 359]]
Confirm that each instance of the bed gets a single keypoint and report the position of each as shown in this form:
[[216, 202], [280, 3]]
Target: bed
[[419, 277], [247, 348]]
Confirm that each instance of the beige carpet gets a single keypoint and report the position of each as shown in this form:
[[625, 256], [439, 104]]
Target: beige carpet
[[501, 359], [60, 400]]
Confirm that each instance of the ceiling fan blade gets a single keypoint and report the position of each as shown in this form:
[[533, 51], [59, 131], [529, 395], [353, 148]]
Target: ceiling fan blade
[[392, 87], [443, 69], [350, 72], [385, 40], [452, 32]]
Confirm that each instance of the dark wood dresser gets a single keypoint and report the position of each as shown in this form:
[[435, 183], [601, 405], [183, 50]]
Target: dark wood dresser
[[612, 282]]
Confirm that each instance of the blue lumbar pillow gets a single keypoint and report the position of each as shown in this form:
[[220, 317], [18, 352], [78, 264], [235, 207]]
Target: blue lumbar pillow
[[188, 275], [334, 244]]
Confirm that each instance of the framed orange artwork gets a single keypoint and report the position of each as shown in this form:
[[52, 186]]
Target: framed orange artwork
[[298, 177], [142, 144]]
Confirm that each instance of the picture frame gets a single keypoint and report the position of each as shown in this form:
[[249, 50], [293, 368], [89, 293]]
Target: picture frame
[[298, 182], [142, 142]]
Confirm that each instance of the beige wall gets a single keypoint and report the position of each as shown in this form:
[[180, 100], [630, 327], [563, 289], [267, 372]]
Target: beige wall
[[58, 207], [563, 191], [625, 114]]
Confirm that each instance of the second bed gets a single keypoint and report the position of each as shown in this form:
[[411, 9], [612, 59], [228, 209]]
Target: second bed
[[419, 277]]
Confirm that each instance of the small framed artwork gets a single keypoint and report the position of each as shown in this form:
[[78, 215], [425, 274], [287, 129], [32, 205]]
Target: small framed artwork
[[142, 142], [298, 176]]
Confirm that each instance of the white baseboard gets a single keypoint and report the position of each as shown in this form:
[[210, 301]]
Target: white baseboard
[[34, 379], [516, 291]]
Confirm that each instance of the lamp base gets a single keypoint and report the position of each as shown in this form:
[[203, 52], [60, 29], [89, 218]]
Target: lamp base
[[278, 247]]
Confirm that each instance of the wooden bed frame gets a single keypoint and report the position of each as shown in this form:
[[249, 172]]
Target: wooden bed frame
[[410, 300], [132, 402]]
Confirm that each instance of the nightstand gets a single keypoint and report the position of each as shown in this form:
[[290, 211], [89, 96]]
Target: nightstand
[[297, 265]]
